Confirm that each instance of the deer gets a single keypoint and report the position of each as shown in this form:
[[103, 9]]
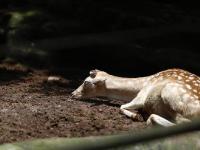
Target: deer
[[169, 97]]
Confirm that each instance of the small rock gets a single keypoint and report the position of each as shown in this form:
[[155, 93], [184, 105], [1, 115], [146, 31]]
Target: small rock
[[53, 78], [57, 80]]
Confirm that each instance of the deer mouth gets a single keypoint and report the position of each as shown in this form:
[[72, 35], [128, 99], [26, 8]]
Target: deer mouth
[[76, 95]]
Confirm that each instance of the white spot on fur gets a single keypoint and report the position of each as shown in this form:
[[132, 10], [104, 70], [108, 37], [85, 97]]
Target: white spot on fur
[[191, 77], [188, 86], [197, 97], [182, 74], [187, 80], [157, 75], [195, 91], [182, 90], [180, 78], [192, 98]]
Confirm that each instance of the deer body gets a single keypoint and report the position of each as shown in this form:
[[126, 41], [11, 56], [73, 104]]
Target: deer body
[[169, 97]]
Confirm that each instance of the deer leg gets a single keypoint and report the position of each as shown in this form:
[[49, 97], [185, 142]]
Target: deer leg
[[171, 96], [181, 119], [125, 109], [158, 120], [136, 103]]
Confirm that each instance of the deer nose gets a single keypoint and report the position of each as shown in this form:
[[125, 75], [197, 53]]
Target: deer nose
[[73, 95]]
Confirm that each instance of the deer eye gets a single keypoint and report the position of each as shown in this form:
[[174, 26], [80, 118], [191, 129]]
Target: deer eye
[[93, 73], [87, 84]]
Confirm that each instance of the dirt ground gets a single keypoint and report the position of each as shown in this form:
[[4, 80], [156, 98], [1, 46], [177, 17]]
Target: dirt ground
[[33, 108]]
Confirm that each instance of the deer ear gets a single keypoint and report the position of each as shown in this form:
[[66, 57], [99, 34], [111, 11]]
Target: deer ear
[[93, 73]]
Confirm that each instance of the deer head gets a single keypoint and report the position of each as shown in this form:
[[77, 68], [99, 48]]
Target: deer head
[[92, 86]]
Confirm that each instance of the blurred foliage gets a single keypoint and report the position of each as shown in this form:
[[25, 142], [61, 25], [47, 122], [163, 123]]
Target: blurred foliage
[[34, 19], [24, 22], [121, 141], [27, 25], [184, 142], [92, 16]]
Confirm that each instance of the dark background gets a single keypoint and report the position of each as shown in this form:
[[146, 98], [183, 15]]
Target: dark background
[[128, 38]]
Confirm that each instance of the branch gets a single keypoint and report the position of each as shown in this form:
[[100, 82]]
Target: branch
[[104, 142]]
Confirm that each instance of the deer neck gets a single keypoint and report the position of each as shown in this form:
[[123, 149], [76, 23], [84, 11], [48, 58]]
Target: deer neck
[[124, 88]]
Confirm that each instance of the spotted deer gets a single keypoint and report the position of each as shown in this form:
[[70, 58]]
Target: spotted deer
[[169, 97]]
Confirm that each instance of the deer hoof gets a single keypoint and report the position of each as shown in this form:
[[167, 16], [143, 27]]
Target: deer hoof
[[138, 117]]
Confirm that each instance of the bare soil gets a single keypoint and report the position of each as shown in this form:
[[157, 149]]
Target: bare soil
[[33, 108]]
